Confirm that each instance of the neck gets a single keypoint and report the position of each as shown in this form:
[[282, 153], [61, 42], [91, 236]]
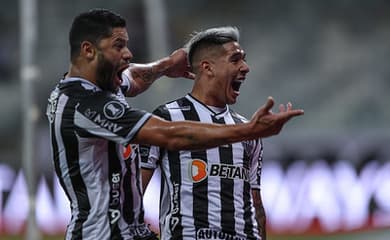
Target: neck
[[207, 93], [77, 70]]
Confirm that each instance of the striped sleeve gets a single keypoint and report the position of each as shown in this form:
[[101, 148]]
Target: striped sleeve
[[107, 117], [256, 164]]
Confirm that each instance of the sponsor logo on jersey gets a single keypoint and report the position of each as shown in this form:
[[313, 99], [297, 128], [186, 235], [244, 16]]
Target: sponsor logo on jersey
[[229, 171], [115, 197], [114, 215], [89, 113], [144, 151], [113, 110], [103, 122], [174, 220], [200, 170], [140, 231], [210, 234]]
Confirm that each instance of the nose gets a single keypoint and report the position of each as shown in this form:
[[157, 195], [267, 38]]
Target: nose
[[127, 55], [244, 68]]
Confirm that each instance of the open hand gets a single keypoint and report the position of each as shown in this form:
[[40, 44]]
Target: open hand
[[267, 123]]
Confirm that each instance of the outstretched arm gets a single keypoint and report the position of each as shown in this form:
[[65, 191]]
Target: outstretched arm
[[186, 135], [143, 75]]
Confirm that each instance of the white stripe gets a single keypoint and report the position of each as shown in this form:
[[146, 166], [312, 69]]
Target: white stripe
[[93, 166]]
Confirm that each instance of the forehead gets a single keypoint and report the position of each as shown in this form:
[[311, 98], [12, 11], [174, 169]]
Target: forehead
[[119, 33], [232, 48]]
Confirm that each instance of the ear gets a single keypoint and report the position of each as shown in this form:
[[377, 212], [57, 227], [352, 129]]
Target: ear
[[88, 50], [207, 67]]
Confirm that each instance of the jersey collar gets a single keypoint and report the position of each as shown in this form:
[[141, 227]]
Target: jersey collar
[[208, 109]]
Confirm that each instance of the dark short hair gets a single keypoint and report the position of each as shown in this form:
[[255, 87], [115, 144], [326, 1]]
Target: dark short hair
[[92, 26]]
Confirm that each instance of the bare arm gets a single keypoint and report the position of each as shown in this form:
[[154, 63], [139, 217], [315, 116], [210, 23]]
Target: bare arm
[[187, 135], [146, 176], [260, 213], [143, 75]]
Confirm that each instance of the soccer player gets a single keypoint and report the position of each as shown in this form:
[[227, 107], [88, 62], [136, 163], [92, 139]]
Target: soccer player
[[213, 193], [94, 131]]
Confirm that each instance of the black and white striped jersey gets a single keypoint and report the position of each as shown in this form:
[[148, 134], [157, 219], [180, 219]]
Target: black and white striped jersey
[[206, 194], [97, 167]]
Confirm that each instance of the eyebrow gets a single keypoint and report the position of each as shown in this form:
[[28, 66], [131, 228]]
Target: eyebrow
[[120, 40], [241, 53]]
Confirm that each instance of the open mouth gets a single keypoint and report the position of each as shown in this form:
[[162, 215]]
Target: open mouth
[[236, 84], [120, 71], [119, 75]]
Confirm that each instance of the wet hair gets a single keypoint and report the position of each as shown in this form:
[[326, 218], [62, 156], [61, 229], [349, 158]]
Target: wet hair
[[92, 26], [210, 38]]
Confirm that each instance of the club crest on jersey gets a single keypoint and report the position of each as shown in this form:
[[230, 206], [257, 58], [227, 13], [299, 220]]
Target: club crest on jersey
[[113, 110]]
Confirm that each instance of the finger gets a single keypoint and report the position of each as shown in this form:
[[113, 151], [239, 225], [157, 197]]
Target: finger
[[289, 106], [268, 105], [282, 108], [294, 113], [189, 75]]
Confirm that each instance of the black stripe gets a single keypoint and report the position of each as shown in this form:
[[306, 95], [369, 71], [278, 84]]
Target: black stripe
[[174, 165], [72, 158], [115, 179], [138, 185], [248, 227], [200, 192], [128, 203], [227, 188]]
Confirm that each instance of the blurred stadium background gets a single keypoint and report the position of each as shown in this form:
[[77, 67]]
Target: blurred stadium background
[[326, 176]]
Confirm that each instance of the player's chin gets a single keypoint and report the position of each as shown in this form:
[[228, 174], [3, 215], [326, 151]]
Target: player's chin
[[232, 99], [234, 94]]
